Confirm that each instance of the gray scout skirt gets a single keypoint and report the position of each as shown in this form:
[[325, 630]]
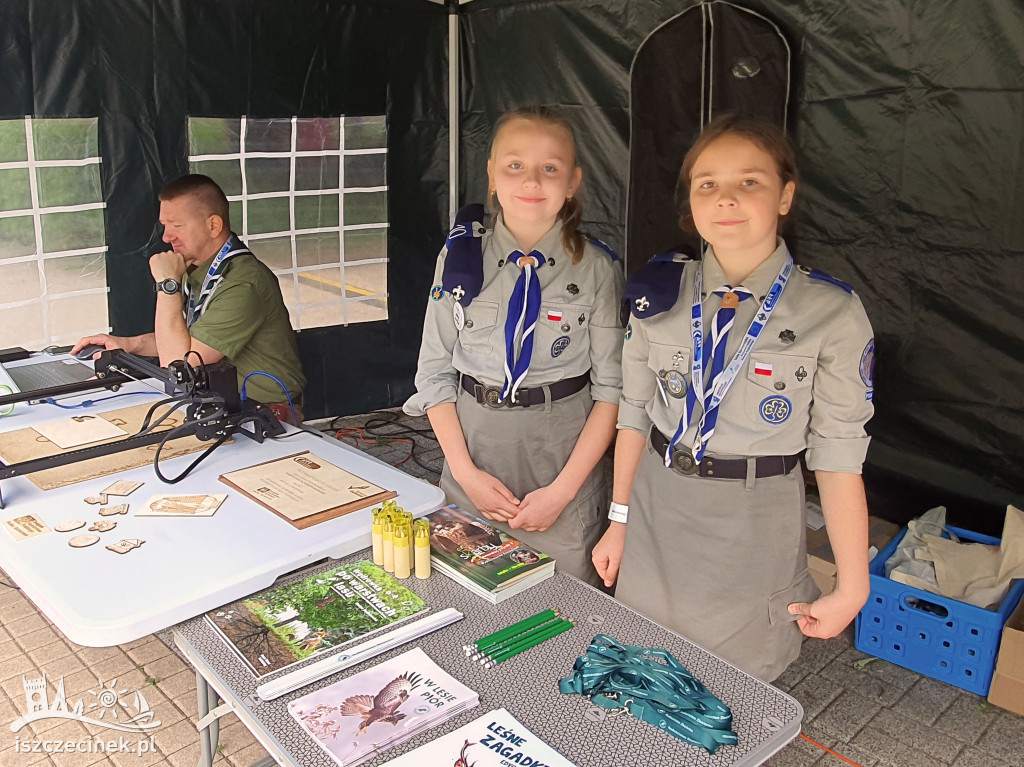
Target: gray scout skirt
[[526, 448], [719, 561]]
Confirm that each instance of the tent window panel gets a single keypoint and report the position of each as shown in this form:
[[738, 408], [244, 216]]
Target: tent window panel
[[268, 135], [366, 281], [316, 212], [362, 244], [21, 281], [270, 214], [264, 174], [365, 207], [365, 132], [15, 192], [72, 185], [13, 146], [24, 325], [227, 174], [317, 249], [316, 172], [275, 252], [307, 194], [65, 138], [364, 170], [213, 135], [72, 230], [68, 274], [17, 237], [66, 315]]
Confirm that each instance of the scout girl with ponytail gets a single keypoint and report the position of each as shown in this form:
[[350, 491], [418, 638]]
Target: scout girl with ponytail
[[732, 367], [520, 363]]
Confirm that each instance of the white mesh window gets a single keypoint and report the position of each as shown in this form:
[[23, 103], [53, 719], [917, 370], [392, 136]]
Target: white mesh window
[[309, 198], [53, 280]]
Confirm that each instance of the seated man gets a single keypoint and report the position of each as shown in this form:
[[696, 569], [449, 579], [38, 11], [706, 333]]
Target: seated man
[[215, 298]]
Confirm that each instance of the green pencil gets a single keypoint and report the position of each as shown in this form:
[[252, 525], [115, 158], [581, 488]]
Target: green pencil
[[527, 641], [502, 656], [493, 647], [516, 628]]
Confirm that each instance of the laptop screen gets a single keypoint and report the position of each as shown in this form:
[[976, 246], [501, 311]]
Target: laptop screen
[[42, 375]]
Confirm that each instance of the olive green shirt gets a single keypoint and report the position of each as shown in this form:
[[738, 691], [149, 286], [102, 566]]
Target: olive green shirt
[[246, 320]]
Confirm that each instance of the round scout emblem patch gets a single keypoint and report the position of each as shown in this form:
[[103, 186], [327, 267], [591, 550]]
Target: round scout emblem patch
[[629, 330], [459, 314], [436, 293], [559, 346], [675, 384], [775, 409], [867, 364]]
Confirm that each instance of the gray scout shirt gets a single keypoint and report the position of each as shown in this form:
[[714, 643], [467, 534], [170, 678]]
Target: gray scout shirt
[[807, 383], [578, 328]]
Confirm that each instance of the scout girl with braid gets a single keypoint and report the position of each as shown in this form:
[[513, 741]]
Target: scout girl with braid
[[520, 364], [732, 367]]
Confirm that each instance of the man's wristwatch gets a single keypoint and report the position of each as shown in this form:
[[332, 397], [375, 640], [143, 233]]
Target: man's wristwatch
[[169, 286]]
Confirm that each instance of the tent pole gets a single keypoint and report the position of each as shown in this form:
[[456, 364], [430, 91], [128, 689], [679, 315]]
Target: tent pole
[[453, 109]]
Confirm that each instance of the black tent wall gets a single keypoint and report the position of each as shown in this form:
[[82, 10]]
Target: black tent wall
[[906, 116]]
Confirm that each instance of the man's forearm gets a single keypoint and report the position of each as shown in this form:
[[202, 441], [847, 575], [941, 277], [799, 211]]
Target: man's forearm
[[172, 339]]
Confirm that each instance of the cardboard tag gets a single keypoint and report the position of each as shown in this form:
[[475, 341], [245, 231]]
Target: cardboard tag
[[27, 526]]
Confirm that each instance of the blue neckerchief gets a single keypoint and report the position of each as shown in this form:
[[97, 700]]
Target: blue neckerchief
[[523, 311], [463, 274], [195, 306]]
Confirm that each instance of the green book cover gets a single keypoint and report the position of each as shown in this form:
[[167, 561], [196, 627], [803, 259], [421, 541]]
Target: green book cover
[[481, 553], [285, 625]]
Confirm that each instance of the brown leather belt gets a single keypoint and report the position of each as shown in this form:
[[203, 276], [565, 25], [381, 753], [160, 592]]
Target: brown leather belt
[[491, 395], [723, 468]]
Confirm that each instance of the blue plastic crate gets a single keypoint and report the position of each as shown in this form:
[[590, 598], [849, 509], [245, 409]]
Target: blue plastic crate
[[939, 637]]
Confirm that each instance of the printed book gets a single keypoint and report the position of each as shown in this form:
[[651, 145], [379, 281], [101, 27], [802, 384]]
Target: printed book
[[359, 717], [276, 628], [496, 739], [487, 561]]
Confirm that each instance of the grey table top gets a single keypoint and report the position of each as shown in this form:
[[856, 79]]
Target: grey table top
[[764, 718]]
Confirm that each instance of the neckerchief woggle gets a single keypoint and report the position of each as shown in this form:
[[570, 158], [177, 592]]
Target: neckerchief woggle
[[664, 694], [197, 305], [696, 389]]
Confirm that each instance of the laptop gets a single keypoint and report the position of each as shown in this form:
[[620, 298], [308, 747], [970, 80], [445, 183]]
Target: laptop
[[31, 376]]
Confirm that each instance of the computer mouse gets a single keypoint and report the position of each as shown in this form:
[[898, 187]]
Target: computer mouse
[[86, 352]]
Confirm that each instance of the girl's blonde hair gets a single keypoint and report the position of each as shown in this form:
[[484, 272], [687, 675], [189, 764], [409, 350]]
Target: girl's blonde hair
[[762, 133], [571, 214]]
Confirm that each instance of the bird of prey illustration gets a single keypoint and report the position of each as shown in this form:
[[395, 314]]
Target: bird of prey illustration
[[462, 761], [382, 707]]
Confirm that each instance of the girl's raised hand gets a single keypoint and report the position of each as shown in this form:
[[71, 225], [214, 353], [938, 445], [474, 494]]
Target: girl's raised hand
[[540, 509], [490, 496]]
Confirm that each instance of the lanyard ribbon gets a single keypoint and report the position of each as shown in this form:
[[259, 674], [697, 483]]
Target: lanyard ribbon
[[523, 312], [653, 686], [197, 304], [719, 385]]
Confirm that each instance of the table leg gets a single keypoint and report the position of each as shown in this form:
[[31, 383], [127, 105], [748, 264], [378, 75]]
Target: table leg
[[208, 737]]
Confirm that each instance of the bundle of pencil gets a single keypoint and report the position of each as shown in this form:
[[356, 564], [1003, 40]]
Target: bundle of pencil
[[495, 648]]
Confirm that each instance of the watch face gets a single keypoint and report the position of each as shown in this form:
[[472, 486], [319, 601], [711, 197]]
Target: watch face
[[168, 286]]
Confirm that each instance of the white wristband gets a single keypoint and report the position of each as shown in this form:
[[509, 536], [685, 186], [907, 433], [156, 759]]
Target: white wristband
[[618, 512]]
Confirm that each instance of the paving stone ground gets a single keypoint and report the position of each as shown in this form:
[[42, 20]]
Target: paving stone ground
[[869, 711]]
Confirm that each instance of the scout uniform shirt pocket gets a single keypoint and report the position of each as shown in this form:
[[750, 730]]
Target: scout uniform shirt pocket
[[780, 386], [670, 363], [477, 336], [561, 326]]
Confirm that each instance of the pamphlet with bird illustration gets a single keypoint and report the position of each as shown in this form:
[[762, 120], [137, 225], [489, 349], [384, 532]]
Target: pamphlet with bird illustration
[[369, 712]]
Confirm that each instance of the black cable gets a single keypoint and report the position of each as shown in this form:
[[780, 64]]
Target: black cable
[[196, 462]]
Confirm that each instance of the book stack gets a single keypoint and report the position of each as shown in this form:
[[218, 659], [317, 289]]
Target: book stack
[[367, 713], [495, 739], [487, 561]]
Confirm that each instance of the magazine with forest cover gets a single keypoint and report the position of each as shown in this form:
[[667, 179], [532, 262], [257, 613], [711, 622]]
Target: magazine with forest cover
[[469, 550], [495, 739], [387, 704], [288, 624]]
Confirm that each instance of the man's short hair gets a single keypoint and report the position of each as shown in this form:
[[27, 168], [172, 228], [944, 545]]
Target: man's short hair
[[204, 191]]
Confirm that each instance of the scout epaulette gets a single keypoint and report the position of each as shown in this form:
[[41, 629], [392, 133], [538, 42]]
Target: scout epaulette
[[602, 245], [654, 287], [463, 274], [817, 274]]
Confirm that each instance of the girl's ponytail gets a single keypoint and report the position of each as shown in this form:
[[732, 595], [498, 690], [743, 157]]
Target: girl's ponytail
[[571, 216]]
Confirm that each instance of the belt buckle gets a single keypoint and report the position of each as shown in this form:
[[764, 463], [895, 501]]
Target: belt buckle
[[683, 463], [488, 395]]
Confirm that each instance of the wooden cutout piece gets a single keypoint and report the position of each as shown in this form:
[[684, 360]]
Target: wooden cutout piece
[[69, 525], [81, 541], [125, 545], [122, 487], [109, 511], [100, 499], [103, 525], [730, 301]]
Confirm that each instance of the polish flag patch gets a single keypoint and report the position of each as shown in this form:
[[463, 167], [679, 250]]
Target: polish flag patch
[[762, 369], [554, 316]]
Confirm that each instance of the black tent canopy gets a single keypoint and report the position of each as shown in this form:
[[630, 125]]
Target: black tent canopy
[[906, 118]]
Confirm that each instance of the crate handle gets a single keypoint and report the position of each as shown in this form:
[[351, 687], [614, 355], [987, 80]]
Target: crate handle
[[923, 605]]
